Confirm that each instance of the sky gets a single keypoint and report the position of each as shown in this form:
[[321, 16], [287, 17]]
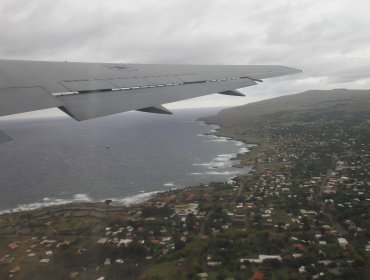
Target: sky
[[329, 40]]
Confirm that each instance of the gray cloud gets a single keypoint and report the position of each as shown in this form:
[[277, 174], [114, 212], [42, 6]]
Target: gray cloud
[[328, 39]]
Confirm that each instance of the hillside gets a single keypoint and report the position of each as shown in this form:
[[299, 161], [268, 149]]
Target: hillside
[[309, 106], [337, 100]]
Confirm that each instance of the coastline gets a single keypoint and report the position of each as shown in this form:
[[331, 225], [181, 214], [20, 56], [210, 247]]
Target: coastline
[[142, 197], [294, 207]]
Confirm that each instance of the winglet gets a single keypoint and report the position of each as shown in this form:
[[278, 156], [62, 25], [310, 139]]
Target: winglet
[[232, 92], [156, 110]]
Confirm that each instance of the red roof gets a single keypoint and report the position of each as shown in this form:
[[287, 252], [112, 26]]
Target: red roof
[[257, 276], [191, 196], [298, 246], [165, 198], [13, 245]]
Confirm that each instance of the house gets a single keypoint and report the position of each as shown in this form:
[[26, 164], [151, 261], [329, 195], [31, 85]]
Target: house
[[299, 246], [342, 242], [102, 240], [302, 269], [13, 245], [367, 248], [257, 276], [74, 275], [126, 242], [214, 263], [15, 269], [261, 258], [47, 241], [184, 209], [6, 259], [64, 243], [202, 275]]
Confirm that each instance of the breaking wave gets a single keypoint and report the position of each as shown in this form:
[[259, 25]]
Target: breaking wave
[[223, 172], [48, 201], [197, 173], [135, 199], [78, 198]]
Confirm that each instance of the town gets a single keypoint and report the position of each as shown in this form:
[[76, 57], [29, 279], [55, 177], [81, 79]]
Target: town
[[302, 213]]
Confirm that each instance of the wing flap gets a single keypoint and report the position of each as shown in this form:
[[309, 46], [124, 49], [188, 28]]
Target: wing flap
[[130, 82], [87, 85], [97, 104], [164, 80]]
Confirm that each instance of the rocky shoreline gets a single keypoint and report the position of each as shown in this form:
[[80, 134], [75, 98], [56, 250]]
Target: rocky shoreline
[[84, 206]]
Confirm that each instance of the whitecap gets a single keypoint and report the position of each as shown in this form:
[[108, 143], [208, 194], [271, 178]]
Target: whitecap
[[222, 172], [47, 202], [211, 165], [135, 199], [224, 157], [243, 150], [201, 164], [81, 197], [219, 140]]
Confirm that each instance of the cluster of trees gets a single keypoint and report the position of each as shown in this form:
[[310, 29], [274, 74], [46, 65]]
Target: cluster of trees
[[151, 211]]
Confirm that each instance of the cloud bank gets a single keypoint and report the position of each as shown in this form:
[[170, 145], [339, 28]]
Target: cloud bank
[[329, 39]]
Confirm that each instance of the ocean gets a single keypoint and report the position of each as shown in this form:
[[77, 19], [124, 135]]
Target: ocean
[[125, 157]]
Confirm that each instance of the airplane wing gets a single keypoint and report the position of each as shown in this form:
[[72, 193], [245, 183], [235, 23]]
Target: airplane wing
[[90, 90]]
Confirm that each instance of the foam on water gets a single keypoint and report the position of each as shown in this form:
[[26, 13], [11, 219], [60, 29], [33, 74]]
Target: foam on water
[[223, 172], [91, 171], [78, 198], [243, 150], [222, 163], [48, 201], [224, 157], [220, 139], [135, 199]]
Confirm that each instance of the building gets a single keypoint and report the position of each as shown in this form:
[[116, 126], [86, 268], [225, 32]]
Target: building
[[257, 276], [342, 242]]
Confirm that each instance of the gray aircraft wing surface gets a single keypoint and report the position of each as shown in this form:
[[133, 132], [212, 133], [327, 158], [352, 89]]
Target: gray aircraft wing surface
[[90, 90]]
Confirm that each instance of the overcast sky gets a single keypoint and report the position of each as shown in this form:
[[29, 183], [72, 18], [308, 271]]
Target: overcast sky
[[329, 40]]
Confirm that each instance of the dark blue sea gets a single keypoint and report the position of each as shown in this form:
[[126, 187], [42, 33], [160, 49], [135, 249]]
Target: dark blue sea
[[125, 157]]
